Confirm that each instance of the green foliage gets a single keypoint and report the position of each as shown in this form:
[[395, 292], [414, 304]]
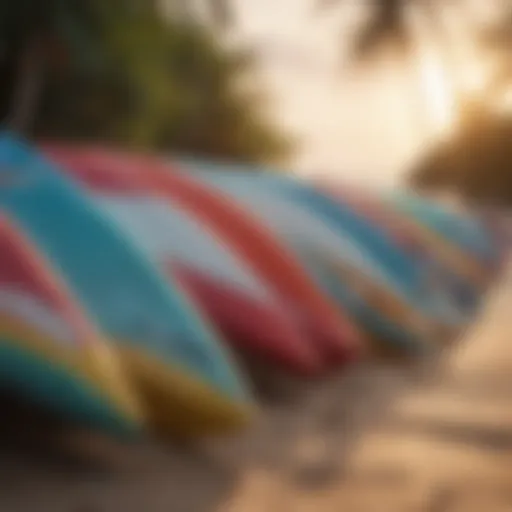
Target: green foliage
[[124, 75]]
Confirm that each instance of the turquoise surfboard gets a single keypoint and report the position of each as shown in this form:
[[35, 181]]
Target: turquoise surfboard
[[175, 354], [50, 353]]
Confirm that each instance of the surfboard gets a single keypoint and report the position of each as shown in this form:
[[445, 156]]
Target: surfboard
[[415, 279], [460, 230], [443, 271], [179, 365], [407, 279], [235, 300], [385, 257], [340, 266], [450, 253], [266, 255], [49, 351]]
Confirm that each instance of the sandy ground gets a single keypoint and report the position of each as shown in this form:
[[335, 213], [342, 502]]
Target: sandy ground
[[381, 437]]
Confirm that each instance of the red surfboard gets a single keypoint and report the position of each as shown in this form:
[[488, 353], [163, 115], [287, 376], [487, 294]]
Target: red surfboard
[[251, 325], [49, 351], [315, 314]]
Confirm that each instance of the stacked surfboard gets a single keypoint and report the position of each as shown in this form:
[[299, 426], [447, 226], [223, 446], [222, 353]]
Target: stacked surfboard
[[138, 293]]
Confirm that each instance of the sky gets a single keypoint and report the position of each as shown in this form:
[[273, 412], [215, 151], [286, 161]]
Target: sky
[[368, 127], [361, 128]]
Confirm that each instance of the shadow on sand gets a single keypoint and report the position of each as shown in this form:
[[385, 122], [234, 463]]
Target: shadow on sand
[[47, 466]]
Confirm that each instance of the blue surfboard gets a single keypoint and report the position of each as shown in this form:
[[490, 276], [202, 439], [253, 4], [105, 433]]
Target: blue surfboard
[[173, 354]]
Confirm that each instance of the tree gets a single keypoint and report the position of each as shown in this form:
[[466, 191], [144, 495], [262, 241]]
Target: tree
[[476, 162], [117, 72], [476, 159], [36, 37]]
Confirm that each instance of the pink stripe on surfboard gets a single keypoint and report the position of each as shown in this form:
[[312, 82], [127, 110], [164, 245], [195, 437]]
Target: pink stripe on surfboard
[[24, 270]]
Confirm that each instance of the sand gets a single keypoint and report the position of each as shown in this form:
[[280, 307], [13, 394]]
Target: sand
[[383, 436]]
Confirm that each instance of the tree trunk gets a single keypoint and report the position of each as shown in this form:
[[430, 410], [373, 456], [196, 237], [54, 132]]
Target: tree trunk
[[27, 86]]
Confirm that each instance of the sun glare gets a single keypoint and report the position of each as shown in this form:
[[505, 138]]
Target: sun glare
[[471, 65], [435, 85], [434, 80], [451, 68]]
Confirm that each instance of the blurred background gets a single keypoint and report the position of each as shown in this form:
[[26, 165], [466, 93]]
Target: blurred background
[[379, 93], [373, 91]]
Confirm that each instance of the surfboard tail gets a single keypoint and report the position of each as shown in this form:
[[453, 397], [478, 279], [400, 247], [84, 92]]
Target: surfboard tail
[[49, 349], [180, 404]]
